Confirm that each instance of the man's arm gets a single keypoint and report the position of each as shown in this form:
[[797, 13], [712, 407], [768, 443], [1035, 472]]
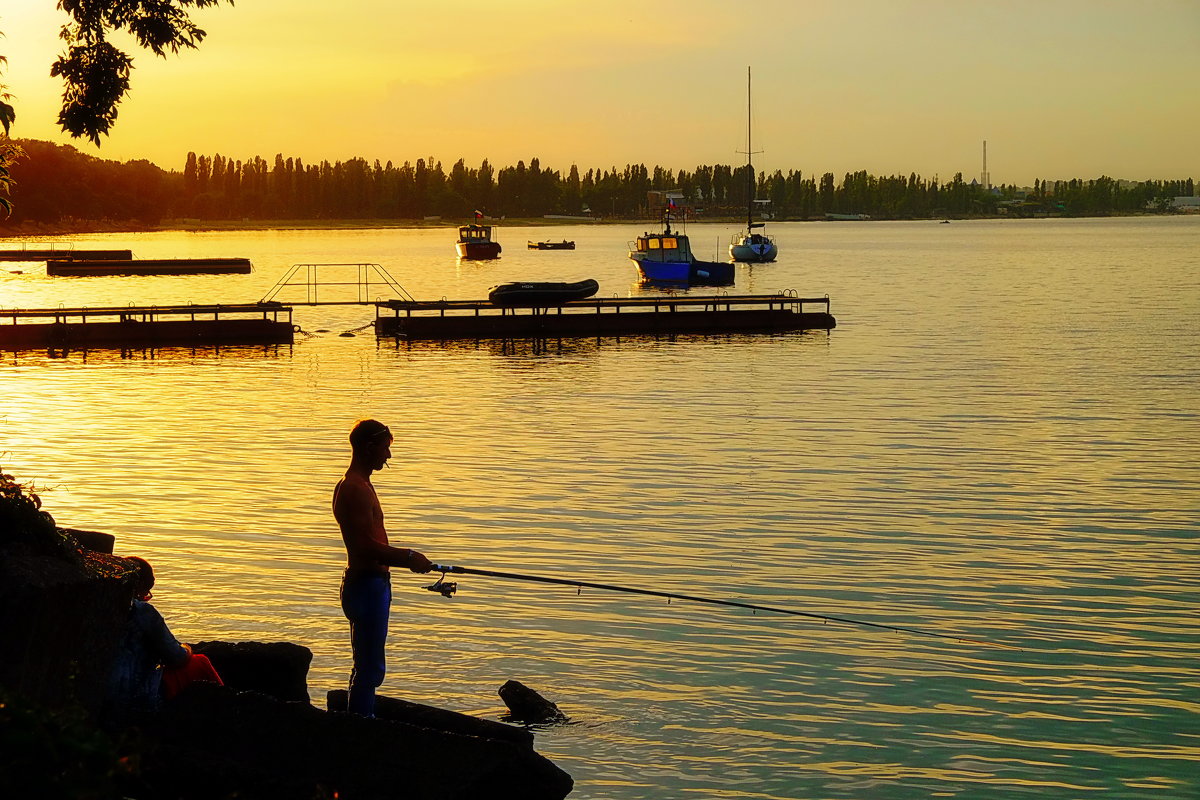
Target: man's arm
[[354, 511]]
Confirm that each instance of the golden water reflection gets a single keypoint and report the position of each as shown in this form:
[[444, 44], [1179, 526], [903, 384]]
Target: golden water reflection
[[1019, 469]]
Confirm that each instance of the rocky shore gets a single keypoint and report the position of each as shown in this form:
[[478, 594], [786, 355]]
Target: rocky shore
[[63, 600]]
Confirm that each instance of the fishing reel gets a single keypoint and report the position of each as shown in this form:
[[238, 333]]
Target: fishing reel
[[443, 587]]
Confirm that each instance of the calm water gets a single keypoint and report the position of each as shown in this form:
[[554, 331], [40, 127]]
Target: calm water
[[999, 441]]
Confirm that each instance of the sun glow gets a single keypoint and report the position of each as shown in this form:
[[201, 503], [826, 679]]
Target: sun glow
[[610, 85]]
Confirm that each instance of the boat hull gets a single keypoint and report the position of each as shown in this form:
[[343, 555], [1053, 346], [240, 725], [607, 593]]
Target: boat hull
[[753, 252], [541, 294], [663, 271], [552, 245], [692, 273], [478, 251]]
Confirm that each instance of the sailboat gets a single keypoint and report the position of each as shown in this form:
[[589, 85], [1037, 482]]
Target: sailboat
[[750, 245]]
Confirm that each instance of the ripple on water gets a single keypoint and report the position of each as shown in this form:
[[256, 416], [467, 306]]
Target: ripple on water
[[996, 443]]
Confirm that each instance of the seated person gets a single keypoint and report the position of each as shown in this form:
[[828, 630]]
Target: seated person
[[151, 664]]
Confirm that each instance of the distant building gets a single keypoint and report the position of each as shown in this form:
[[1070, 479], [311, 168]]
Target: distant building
[[658, 199], [994, 191], [1186, 203]]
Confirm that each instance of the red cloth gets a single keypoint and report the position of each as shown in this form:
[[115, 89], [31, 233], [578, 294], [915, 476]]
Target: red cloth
[[196, 668]]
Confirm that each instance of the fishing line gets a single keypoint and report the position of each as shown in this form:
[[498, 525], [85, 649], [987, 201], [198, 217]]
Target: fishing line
[[447, 589]]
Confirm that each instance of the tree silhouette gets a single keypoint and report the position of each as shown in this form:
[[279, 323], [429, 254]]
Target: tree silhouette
[[96, 72]]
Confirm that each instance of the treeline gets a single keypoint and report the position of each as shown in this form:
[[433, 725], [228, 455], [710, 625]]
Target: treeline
[[56, 183]]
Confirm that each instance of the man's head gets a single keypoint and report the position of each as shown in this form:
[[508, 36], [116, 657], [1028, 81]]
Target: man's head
[[371, 442]]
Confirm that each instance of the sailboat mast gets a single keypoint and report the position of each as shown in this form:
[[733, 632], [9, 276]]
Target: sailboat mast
[[749, 159]]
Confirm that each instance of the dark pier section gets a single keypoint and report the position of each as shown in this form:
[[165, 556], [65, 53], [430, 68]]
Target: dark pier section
[[147, 266], [479, 319], [63, 254], [145, 326]]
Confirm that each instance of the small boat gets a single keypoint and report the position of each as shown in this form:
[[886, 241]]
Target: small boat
[[666, 258], [846, 217], [750, 245], [541, 295], [475, 242], [563, 245]]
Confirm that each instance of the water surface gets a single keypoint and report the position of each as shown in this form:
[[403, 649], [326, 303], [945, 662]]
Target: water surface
[[997, 442]]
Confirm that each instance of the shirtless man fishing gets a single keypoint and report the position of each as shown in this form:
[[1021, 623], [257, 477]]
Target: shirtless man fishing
[[366, 591]]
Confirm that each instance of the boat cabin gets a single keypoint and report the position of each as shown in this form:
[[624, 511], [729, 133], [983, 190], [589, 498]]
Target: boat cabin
[[475, 233], [663, 247]]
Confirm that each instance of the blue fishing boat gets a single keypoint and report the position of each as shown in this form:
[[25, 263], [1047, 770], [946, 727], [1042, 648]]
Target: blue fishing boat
[[666, 258]]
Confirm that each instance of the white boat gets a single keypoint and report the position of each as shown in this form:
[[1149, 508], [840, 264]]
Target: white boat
[[475, 241], [751, 245]]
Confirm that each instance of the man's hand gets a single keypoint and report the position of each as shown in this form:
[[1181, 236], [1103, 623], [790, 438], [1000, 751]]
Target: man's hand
[[419, 563]]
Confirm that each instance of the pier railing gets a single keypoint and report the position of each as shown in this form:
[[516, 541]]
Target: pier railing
[[614, 305], [309, 277], [191, 312], [605, 316], [132, 326]]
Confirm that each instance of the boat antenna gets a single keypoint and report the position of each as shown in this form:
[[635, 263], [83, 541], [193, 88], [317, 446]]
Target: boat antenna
[[448, 589]]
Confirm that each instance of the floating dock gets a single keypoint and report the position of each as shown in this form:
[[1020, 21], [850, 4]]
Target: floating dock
[[63, 254], [147, 266], [594, 317], [145, 326]]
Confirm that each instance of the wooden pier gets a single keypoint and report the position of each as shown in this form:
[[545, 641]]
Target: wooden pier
[[145, 326], [148, 266], [63, 254], [595, 317]]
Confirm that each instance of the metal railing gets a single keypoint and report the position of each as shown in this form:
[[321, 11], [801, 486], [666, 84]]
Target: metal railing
[[366, 276]]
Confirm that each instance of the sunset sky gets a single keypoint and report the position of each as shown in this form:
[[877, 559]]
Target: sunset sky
[[1058, 88]]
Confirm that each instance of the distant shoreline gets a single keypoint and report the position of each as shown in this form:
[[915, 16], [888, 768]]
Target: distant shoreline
[[197, 226], [36, 229]]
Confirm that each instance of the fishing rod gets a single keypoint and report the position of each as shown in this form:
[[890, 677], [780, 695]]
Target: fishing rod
[[447, 589]]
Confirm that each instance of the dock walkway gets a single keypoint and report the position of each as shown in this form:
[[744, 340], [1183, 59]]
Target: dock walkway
[[61, 253], [615, 316], [145, 326], [147, 266]]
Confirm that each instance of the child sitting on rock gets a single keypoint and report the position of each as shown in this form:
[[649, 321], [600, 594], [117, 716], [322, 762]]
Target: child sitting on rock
[[151, 664]]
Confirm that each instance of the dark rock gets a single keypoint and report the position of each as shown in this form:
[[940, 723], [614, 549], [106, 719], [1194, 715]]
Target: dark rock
[[211, 741], [526, 705], [277, 669], [60, 621], [438, 719], [95, 541]]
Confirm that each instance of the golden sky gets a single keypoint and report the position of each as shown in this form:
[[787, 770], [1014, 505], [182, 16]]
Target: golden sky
[[1058, 88]]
